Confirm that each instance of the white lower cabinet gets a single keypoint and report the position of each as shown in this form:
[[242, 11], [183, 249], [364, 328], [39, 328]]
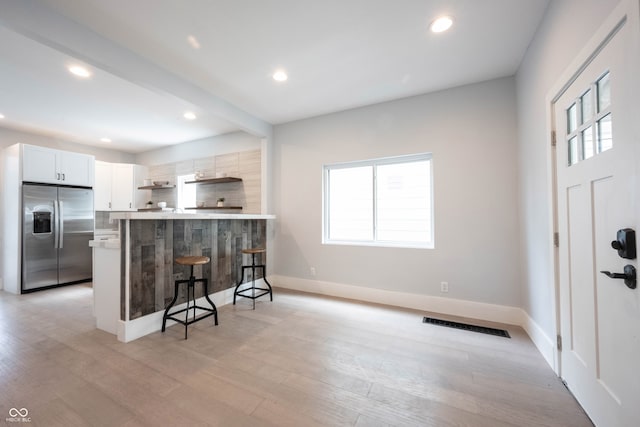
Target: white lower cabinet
[[106, 284], [116, 187]]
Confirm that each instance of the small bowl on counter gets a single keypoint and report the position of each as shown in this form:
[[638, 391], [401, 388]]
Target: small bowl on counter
[[162, 205]]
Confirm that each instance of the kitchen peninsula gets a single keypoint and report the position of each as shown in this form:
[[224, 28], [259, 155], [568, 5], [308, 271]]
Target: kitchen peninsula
[[149, 244]]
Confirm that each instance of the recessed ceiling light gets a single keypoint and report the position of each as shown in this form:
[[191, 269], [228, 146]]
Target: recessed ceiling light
[[105, 139], [193, 41], [280, 76], [1, 116], [80, 71], [189, 115], [441, 24]]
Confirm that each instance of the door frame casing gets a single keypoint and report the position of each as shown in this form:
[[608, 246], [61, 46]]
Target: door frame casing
[[626, 13]]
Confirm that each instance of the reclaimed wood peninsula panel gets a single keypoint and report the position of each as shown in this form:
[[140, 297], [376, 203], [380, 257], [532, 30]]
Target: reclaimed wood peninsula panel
[[154, 245]]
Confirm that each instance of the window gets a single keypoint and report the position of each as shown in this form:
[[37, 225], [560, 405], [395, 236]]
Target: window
[[186, 192], [589, 122], [382, 202]]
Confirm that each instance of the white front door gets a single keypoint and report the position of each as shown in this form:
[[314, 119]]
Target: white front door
[[597, 152]]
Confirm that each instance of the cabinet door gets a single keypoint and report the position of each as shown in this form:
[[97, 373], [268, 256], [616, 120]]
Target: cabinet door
[[102, 187], [76, 169], [122, 187], [39, 164]]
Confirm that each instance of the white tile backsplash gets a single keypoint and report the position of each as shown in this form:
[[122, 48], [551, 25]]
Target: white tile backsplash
[[246, 165]]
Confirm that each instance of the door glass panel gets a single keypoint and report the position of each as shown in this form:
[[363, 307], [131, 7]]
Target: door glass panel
[[604, 92], [572, 118], [605, 135], [589, 124], [573, 151], [586, 102], [587, 143]]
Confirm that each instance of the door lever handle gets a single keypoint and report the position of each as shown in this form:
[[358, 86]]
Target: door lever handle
[[629, 276], [614, 275]]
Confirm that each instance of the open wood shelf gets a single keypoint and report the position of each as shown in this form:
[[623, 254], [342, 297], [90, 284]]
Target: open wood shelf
[[214, 180], [155, 187]]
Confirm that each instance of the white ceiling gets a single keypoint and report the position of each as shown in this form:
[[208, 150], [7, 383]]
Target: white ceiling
[[339, 54]]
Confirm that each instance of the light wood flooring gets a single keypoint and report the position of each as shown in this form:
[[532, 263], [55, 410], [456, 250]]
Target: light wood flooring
[[302, 360]]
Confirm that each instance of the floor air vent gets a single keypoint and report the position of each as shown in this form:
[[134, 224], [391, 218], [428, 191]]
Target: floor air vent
[[467, 327]]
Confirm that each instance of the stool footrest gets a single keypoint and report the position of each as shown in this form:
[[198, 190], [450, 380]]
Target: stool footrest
[[191, 308], [198, 318], [265, 292]]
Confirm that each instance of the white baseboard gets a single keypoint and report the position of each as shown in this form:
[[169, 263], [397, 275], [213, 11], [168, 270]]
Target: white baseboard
[[450, 306], [545, 345], [145, 325]]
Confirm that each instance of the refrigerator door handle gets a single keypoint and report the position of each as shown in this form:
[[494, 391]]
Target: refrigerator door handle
[[60, 225], [56, 232]]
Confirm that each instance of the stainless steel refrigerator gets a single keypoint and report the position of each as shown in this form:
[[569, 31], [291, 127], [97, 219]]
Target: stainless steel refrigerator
[[57, 225]]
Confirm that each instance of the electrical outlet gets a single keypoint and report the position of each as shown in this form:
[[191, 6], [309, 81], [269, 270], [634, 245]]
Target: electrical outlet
[[312, 271], [444, 287]]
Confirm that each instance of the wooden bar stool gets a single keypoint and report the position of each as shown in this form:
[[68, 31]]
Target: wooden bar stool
[[191, 293], [263, 291]]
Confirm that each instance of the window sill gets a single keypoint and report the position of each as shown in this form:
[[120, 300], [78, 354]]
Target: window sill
[[399, 245]]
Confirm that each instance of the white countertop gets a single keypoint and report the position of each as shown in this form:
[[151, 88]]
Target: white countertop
[[174, 215]]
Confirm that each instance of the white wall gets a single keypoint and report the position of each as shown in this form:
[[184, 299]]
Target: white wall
[[207, 147], [567, 26], [471, 132]]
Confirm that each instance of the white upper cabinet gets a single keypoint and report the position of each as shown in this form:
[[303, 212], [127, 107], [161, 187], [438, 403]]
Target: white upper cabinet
[[46, 165], [39, 164], [123, 187], [102, 187], [116, 187], [76, 169]]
